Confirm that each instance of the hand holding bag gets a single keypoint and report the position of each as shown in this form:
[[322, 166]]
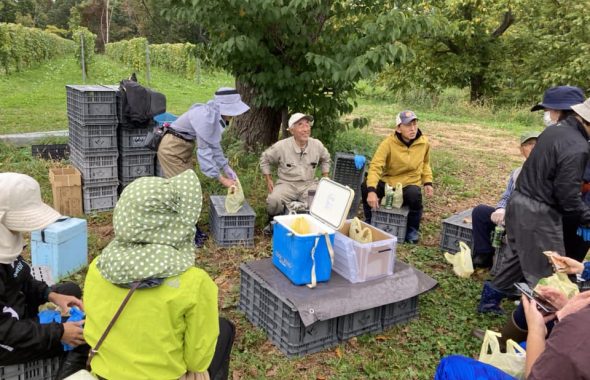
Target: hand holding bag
[[512, 362]]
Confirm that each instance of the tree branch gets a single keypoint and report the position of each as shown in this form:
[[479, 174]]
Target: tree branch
[[506, 22]]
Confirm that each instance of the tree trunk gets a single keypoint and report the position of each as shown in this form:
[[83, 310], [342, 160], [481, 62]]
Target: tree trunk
[[476, 88], [260, 125]]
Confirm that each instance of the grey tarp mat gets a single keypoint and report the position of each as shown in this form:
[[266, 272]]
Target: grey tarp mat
[[339, 297]]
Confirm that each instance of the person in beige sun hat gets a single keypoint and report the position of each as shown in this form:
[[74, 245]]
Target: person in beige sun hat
[[23, 338]]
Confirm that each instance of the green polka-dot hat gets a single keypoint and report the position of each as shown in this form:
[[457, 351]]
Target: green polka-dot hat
[[154, 223]]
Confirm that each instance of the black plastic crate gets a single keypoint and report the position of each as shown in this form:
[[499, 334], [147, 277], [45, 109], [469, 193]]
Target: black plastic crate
[[95, 169], [393, 221], [281, 320], [457, 228], [231, 229], [95, 138], [51, 151], [399, 312], [133, 166], [91, 104], [346, 173], [44, 369], [101, 197], [131, 139], [361, 322]]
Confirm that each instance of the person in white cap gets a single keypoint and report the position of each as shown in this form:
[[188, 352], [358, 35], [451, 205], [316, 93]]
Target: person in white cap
[[202, 124], [23, 337], [296, 159]]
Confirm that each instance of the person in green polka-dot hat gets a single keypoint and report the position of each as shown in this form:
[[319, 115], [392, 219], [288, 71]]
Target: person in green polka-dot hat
[[170, 327]]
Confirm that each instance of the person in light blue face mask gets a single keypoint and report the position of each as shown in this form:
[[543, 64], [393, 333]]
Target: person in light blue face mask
[[202, 124]]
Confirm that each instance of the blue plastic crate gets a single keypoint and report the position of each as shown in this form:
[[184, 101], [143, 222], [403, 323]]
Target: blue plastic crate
[[62, 246], [457, 228]]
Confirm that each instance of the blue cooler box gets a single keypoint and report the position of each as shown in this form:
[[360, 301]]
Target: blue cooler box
[[292, 252], [61, 246]]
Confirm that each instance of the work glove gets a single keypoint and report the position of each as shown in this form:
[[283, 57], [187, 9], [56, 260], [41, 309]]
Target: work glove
[[229, 172], [359, 161], [498, 216], [584, 232]]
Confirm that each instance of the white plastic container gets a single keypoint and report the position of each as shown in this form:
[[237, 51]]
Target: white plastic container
[[292, 252], [359, 262]]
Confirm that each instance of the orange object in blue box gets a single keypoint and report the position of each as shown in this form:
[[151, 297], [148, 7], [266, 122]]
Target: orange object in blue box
[[307, 258], [62, 246]]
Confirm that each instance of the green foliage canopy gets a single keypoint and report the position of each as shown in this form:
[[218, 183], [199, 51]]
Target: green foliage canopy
[[303, 55]]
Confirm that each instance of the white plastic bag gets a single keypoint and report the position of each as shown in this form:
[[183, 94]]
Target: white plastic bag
[[512, 362], [462, 263]]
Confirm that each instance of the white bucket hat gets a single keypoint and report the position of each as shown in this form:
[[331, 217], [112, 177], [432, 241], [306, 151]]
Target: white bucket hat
[[298, 116], [21, 206], [230, 102], [583, 109]]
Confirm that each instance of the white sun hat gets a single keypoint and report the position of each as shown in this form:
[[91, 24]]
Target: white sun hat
[[230, 102], [21, 206]]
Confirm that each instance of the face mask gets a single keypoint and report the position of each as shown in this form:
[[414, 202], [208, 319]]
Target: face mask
[[547, 119]]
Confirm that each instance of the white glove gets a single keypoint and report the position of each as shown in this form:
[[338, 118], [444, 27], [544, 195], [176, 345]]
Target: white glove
[[498, 216]]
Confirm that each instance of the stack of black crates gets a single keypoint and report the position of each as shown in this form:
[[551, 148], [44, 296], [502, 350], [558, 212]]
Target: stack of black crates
[[92, 125]]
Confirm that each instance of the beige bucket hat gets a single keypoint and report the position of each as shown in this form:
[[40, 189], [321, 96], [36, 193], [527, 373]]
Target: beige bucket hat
[[21, 206]]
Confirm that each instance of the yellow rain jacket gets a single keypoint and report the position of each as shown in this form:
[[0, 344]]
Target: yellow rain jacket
[[162, 333], [395, 162]]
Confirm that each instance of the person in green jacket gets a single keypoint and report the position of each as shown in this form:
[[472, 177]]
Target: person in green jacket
[[170, 326], [402, 157]]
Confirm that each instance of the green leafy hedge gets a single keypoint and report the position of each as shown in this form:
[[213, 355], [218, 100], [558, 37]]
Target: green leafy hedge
[[177, 58], [89, 38], [22, 47]]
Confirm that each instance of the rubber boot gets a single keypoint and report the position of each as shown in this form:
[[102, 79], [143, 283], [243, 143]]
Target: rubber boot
[[490, 301], [412, 234], [511, 330]]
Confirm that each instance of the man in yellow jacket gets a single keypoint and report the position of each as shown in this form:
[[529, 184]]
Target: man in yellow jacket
[[402, 157]]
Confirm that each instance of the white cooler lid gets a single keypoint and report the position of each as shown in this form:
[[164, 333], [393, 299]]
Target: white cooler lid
[[331, 203]]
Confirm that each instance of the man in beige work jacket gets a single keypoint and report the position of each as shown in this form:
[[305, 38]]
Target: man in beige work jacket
[[296, 158]]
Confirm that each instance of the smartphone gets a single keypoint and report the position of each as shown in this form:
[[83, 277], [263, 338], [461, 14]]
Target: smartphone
[[543, 305]]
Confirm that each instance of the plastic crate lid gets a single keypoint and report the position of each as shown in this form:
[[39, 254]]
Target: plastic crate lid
[[331, 203]]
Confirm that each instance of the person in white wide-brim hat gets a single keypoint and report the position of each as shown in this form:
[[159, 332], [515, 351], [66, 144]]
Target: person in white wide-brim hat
[[23, 337], [202, 124]]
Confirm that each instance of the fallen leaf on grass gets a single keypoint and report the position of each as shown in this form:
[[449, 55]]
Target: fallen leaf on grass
[[237, 375], [320, 377], [338, 352], [381, 338]]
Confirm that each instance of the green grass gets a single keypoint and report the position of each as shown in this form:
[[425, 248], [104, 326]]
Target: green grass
[[408, 351], [35, 100]]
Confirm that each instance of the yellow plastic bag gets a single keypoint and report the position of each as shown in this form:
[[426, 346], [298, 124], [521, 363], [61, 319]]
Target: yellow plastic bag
[[512, 362], [561, 282], [462, 264], [301, 226], [359, 233], [398, 195], [235, 198]]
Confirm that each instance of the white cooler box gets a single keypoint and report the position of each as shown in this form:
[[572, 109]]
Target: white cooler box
[[359, 262], [293, 253]]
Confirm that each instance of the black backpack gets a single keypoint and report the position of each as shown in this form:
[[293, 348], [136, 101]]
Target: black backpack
[[139, 105]]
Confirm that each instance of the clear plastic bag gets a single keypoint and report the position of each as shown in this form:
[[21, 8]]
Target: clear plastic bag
[[512, 361], [235, 198], [462, 263], [359, 233], [561, 282], [398, 195], [301, 226]]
